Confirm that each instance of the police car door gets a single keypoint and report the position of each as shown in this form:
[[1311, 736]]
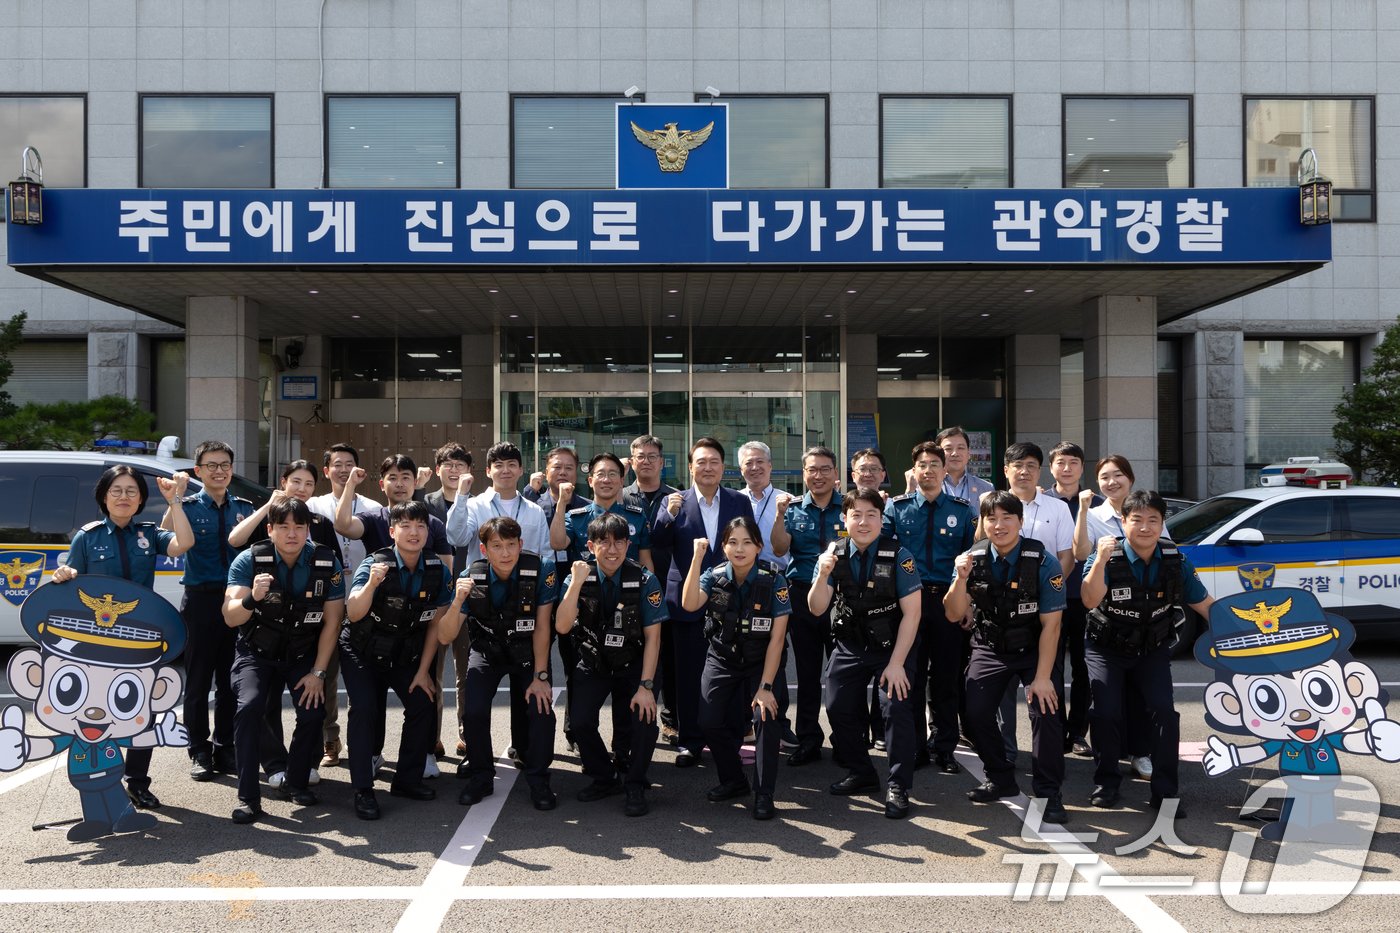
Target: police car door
[[1301, 547], [1371, 549]]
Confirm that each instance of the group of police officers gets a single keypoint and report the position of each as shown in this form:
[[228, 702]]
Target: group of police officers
[[915, 620]]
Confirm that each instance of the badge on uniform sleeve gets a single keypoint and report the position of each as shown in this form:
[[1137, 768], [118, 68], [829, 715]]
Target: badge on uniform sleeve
[[654, 599], [549, 580], [1058, 582], [781, 595], [335, 578], [907, 565]]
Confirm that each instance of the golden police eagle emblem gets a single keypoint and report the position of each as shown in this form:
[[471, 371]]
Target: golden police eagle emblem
[[1256, 576], [907, 565], [672, 145], [655, 599]]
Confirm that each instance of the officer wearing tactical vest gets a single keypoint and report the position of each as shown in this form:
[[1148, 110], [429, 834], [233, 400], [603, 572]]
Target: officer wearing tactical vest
[[613, 611], [286, 598], [1135, 587], [1016, 589], [746, 609], [396, 599], [872, 586], [510, 599]]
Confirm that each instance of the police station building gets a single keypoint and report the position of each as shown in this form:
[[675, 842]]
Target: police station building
[[796, 221]]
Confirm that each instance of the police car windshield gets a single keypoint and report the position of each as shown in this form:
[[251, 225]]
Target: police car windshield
[[1192, 525]]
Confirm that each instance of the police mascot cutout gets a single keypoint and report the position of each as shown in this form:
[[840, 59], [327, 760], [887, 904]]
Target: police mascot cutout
[[1284, 675], [99, 680]]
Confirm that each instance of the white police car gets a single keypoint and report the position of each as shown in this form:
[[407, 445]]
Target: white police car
[[47, 495], [1343, 545]]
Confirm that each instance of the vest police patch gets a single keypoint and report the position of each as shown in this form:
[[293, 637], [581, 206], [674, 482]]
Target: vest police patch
[[549, 580], [1121, 592], [654, 599], [1058, 582], [781, 595], [907, 565]]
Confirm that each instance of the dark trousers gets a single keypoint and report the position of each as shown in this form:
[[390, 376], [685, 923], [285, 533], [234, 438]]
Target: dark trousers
[[1075, 711], [586, 697], [138, 768], [621, 697], [988, 674], [938, 673], [273, 751], [483, 678], [688, 639], [666, 708], [811, 646], [848, 672], [367, 686], [726, 710], [254, 681], [1110, 677], [208, 663]]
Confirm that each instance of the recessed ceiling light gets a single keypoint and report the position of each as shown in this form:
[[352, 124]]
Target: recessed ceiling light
[[1030, 291], [1107, 170], [729, 357], [1112, 119], [427, 310], [826, 315], [1088, 139], [493, 290], [515, 315], [670, 356], [672, 291], [425, 356], [888, 369], [984, 314], [914, 354], [670, 316], [355, 316], [850, 291], [312, 291]]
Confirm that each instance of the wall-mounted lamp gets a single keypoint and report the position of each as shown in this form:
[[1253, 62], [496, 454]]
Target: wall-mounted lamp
[[27, 191], [1314, 192]]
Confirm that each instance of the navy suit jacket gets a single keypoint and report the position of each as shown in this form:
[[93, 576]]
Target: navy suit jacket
[[678, 533]]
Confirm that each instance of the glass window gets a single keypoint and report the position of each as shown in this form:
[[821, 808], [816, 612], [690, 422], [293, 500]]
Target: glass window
[[57, 127], [52, 517], [1341, 131], [1194, 525], [391, 142], [748, 349], [563, 142], [206, 142], [945, 142], [1295, 520], [1127, 142], [1371, 518], [368, 368], [777, 142], [1291, 389], [590, 350]]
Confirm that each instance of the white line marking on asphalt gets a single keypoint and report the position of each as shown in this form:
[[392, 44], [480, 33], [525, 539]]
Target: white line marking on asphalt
[[30, 774]]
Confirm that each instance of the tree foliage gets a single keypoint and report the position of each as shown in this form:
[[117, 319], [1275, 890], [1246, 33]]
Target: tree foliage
[[11, 333], [1367, 431], [75, 425]]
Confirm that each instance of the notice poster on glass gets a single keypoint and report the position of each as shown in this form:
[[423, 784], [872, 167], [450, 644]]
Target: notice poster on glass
[[979, 461]]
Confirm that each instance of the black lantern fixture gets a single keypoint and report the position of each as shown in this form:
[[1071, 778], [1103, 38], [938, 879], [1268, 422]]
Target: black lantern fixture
[[27, 191], [1314, 192]]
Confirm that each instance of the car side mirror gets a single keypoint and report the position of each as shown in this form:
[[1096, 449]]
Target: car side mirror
[[1245, 536]]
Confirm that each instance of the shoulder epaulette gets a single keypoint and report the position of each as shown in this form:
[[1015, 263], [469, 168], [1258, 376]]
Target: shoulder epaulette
[[93, 526], [578, 511], [904, 498], [958, 500]]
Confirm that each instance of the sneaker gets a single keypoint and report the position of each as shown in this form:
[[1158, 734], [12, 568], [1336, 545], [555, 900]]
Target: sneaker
[[430, 768], [202, 767], [332, 752], [1143, 767], [313, 777], [896, 802], [988, 791], [275, 781]]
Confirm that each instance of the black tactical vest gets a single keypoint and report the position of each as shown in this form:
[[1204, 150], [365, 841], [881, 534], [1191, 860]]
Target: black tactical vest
[[392, 632], [1135, 618], [866, 616], [1006, 616], [505, 636], [286, 624], [738, 633], [609, 638]]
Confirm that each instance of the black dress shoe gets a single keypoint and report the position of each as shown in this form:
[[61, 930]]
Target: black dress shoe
[[472, 795], [142, 799], [763, 808], [300, 796], [988, 791], [946, 763], [921, 760], [463, 769], [685, 758], [202, 766], [1104, 798], [225, 761], [727, 791], [412, 792], [853, 784], [543, 798], [598, 790], [636, 804], [1180, 813], [805, 755], [366, 805], [247, 812], [1080, 746], [1054, 810], [896, 802]]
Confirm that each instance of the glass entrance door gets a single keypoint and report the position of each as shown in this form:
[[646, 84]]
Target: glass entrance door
[[589, 423], [736, 418]]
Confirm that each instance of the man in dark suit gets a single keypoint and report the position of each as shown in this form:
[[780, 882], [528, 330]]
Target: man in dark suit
[[701, 511], [650, 492]]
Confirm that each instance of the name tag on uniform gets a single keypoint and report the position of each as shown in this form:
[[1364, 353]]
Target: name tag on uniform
[[427, 615], [761, 624], [613, 641], [313, 618], [1026, 608], [524, 625], [1121, 592]]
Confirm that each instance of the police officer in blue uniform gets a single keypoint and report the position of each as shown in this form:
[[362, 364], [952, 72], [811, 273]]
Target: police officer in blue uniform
[[613, 611], [1134, 588], [213, 513], [746, 610], [509, 603], [1016, 589], [396, 599], [286, 598], [872, 588], [935, 526], [811, 525], [120, 547]]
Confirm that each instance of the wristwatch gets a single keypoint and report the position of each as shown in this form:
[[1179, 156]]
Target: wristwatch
[[768, 687], [542, 675], [320, 674], [648, 684]]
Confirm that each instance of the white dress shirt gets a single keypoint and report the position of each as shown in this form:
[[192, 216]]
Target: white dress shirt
[[467, 515], [353, 549]]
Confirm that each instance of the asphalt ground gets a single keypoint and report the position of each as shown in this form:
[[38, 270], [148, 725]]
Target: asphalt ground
[[824, 863]]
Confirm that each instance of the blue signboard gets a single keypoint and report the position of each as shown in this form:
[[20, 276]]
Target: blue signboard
[[861, 432], [299, 388], [610, 228], [672, 146]]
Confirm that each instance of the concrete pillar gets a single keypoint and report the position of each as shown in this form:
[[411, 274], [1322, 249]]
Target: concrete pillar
[[119, 363], [1194, 403], [1035, 391], [862, 385], [1224, 411], [1120, 382], [221, 369]]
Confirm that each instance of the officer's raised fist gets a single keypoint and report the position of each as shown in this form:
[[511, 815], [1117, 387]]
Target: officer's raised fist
[[261, 584], [701, 546], [581, 569], [962, 564], [357, 476], [277, 498], [784, 500], [1106, 545], [464, 482], [168, 488], [537, 481], [827, 562], [673, 503], [566, 493], [460, 592], [377, 573]]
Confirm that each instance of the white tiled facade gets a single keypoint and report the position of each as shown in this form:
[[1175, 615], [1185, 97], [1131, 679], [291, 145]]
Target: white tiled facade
[[1216, 51]]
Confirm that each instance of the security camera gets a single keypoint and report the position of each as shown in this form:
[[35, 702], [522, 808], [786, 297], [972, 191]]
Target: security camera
[[294, 350], [711, 90], [631, 91]]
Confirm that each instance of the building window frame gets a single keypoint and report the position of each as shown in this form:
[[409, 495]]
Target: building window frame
[[1353, 377], [823, 96], [271, 99], [639, 98], [1010, 100], [66, 95], [1372, 192], [456, 99], [1189, 98]]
